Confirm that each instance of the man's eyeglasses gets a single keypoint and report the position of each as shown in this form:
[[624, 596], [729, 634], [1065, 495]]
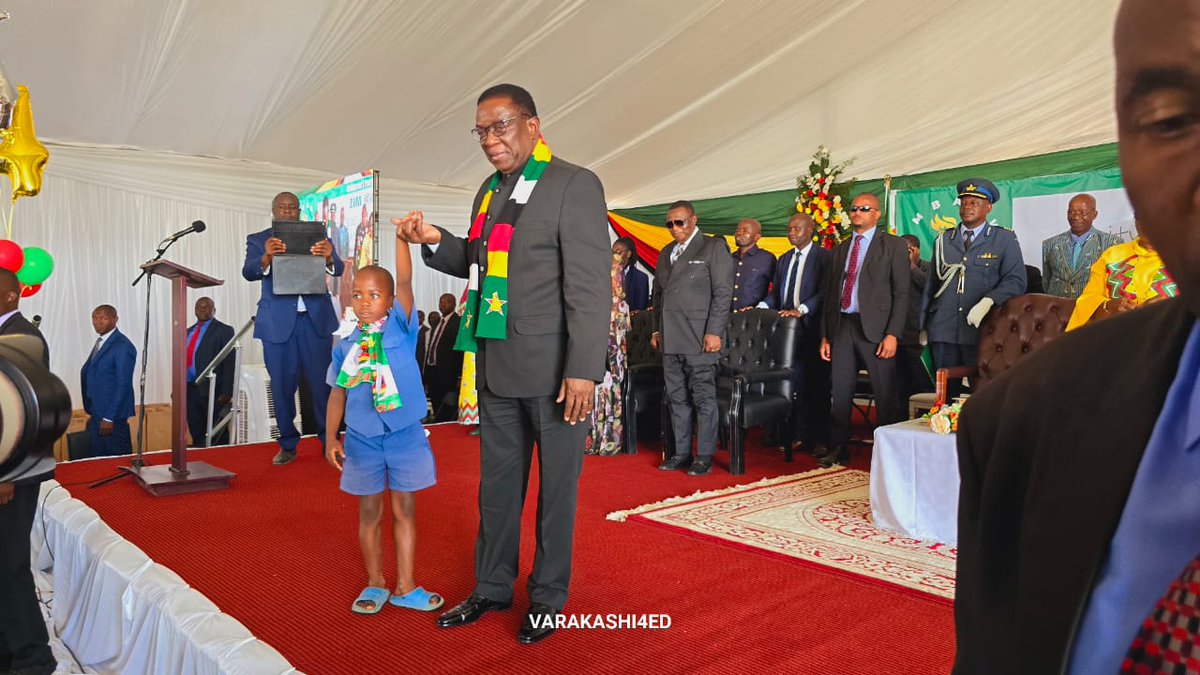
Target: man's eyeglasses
[[672, 224], [498, 129], [864, 209]]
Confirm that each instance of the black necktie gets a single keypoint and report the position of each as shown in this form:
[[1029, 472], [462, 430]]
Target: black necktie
[[967, 237]]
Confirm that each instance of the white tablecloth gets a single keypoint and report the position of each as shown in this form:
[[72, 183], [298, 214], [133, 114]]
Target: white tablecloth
[[914, 482]]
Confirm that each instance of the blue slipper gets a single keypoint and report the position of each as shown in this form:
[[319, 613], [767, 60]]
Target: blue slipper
[[370, 601], [418, 599]]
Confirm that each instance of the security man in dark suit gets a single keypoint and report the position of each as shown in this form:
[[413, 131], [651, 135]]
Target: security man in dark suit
[[693, 284], [798, 290], [204, 340], [976, 266], [865, 307]]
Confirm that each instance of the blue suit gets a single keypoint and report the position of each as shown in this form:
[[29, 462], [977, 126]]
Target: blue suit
[[294, 343], [637, 288], [107, 383]]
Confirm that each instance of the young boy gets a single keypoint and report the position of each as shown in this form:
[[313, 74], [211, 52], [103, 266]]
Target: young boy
[[376, 384]]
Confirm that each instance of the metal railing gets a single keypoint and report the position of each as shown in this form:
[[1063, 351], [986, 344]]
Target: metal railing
[[234, 347]]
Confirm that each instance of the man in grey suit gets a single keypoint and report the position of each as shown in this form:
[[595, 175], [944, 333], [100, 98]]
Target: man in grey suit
[[549, 300], [976, 266], [693, 287], [865, 307], [1067, 257]]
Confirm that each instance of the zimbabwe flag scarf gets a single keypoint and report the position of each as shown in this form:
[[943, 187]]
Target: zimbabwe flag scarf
[[485, 314]]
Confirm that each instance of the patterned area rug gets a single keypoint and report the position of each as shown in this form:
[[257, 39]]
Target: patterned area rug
[[822, 517]]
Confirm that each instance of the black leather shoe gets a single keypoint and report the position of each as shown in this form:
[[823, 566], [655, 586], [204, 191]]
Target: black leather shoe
[[468, 611], [700, 467], [539, 624], [676, 463], [834, 456]]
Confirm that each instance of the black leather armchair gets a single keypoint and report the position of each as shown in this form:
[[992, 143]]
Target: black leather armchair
[[754, 380], [644, 378]]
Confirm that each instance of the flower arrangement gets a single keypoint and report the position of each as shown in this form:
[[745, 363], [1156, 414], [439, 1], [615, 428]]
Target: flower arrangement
[[819, 195], [943, 418]]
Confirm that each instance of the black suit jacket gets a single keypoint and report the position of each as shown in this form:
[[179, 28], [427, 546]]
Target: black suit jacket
[[883, 288], [559, 289], [1047, 453], [17, 324], [217, 335], [812, 287], [692, 296]]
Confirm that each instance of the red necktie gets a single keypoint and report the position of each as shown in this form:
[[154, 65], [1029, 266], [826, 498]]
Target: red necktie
[[191, 348], [851, 273], [1167, 641]]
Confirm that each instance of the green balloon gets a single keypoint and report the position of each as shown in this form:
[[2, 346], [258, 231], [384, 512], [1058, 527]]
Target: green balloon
[[37, 268]]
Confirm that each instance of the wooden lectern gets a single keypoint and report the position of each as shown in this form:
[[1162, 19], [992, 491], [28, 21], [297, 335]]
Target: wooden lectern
[[181, 476]]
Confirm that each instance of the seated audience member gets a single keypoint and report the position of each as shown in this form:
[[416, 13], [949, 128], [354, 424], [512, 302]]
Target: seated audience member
[[1125, 277]]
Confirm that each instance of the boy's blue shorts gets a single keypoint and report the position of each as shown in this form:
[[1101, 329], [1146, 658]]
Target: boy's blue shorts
[[400, 461]]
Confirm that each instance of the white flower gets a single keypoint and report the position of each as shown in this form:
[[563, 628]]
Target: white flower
[[940, 424]]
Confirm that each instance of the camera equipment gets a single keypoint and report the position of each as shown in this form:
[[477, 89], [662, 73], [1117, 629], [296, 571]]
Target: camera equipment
[[35, 407]]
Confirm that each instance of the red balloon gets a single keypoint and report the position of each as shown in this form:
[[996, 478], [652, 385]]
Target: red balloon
[[11, 256], [27, 291]]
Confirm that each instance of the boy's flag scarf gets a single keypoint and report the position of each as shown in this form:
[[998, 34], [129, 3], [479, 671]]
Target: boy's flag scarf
[[367, 363], [486, 314]]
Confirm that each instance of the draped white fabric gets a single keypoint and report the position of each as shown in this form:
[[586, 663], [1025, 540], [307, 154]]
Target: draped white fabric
[[914, 482], [665, 100], [120, 612], [103, 211]]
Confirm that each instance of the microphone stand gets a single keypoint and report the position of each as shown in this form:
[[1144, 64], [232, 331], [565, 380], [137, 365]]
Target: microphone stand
[[137, 462]]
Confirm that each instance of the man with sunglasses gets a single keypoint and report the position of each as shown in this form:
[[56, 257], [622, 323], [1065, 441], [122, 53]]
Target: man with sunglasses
[[693, 285], [538, 260], [976, 266], [866, 303]]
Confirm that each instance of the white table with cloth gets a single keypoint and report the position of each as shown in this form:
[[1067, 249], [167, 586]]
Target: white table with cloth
[[914, 482]]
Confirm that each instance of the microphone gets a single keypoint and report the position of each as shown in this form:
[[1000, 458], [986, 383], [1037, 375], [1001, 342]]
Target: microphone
[[37, 321], [197, 226]]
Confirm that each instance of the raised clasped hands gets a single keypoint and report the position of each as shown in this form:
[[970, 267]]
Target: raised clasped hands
[[413, 229]]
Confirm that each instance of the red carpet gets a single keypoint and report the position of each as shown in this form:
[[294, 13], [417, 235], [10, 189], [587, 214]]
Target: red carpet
[[279, 553]]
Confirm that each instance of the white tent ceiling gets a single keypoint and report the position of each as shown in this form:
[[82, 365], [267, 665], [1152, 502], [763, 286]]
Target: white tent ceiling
[[663, 99], [160, 112]]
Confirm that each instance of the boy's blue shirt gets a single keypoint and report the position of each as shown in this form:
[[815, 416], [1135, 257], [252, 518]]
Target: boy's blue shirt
[[400, 346]]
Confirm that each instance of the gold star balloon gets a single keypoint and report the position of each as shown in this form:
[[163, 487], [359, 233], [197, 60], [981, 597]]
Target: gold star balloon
[[22, 156]]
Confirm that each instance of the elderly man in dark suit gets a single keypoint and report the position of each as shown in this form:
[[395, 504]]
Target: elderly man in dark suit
[[1080, 501], [538, 259], [296, 330], [693, 285], [107, 383], [204, 340], [865, 307], [798, 290]]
